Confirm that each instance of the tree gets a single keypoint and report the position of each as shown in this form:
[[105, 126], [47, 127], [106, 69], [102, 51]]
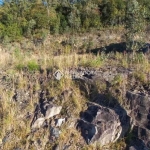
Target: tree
[[135, 25]]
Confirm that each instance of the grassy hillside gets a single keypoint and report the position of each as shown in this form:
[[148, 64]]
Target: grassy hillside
[[25, 75]]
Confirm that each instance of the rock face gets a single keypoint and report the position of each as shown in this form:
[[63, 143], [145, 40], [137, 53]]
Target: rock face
[[100, 124], [139, 110]]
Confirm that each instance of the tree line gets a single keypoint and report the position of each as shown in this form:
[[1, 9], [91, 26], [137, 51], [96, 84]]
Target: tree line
[[37, 18]]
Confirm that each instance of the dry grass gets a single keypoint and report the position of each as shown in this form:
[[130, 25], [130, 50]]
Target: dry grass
[[46, 60], [13, 120]]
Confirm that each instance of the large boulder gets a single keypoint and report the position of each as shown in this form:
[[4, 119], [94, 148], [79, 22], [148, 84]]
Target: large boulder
[[100, 124]]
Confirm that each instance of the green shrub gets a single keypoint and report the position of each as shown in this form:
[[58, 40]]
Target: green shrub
[[33, 66], [13, 31]]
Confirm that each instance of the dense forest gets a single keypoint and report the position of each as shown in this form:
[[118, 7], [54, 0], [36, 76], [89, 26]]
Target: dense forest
[[37, 18]]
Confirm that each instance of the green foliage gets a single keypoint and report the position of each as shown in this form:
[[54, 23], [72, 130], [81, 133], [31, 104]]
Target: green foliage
[[33, 66], [64, 23], [39, 14], [112, 12], [13, 31], [31, 18]]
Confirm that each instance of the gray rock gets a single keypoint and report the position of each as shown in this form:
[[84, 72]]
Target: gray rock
[[59, 122], [100, 124], [52, 111], [38, 123], [55, 132]]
